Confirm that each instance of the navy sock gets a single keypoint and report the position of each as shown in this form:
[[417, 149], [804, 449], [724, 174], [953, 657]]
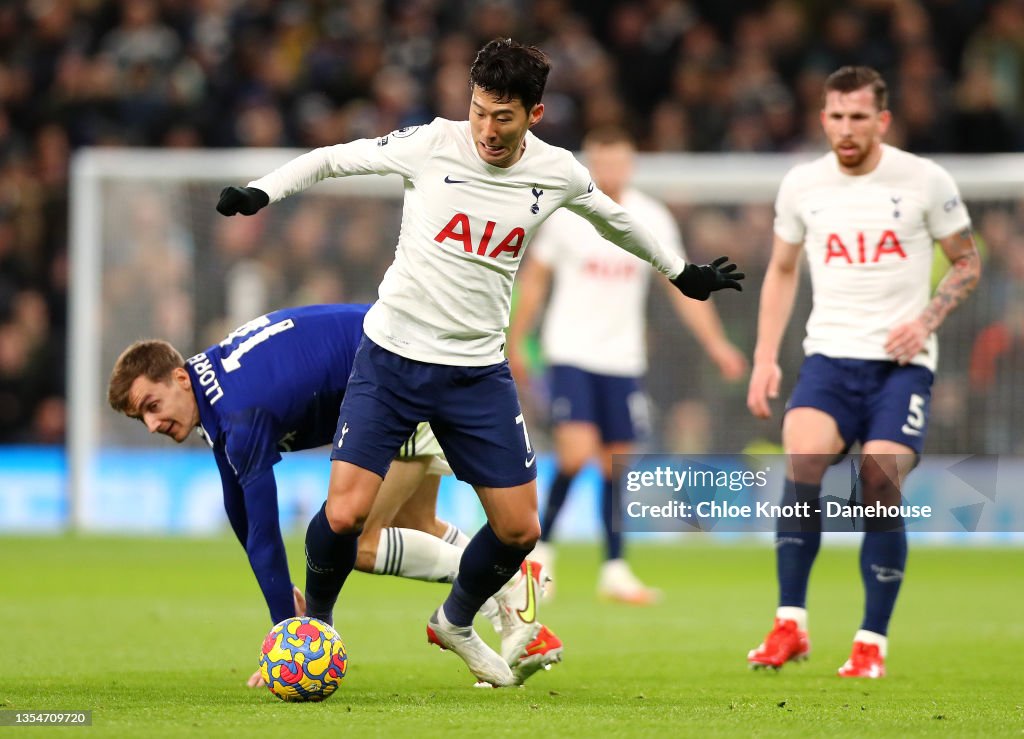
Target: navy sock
[[883, 558], [557, 494], [486, 565], [611, 518], [329, 559], [797, 540]]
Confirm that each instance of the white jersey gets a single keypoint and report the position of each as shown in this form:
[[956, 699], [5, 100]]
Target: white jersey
[[595, 319], [465, 224], [869, 242]]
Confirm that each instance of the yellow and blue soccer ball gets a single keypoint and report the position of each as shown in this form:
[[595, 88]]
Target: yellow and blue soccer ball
[[303, 659]]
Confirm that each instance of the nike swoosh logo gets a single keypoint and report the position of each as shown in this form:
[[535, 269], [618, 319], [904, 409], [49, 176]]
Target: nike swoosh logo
[[529, 614], [887, 578], [450, 181], [590, 187], [910, 431], [530, 461]]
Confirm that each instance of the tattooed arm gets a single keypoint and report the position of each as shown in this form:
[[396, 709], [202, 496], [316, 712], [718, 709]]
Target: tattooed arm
[[906, 340], [958, 282]]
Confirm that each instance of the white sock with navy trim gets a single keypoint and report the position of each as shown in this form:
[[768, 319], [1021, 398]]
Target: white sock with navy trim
[[416, 555], [454, 535]]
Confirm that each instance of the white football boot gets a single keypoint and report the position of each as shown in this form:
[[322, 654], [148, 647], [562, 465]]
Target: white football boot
[[485, 664]]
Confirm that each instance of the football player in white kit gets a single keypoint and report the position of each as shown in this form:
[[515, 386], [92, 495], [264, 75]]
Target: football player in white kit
[[593, 342], [433, 350], [867, 215]]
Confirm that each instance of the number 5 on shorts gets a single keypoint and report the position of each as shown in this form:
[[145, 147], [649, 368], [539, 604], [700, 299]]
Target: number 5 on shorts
[[915, 416]]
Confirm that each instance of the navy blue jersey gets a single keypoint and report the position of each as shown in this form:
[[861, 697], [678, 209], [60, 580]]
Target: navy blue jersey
[[274, 384]]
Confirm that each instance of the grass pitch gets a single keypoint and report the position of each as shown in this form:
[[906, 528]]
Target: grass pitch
[[157, 638]]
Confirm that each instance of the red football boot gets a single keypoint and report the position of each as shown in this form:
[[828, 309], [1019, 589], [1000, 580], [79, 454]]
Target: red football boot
[[866, 660], [786, 642]]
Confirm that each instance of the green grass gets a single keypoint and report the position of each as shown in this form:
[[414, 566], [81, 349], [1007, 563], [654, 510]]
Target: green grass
[[157, 637]]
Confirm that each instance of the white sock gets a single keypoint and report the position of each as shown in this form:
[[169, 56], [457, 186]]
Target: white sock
[[870, 637], [416, 555], [793, 613], [455, 535]]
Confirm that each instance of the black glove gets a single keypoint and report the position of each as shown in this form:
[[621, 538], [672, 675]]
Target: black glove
[[244, 200], [698, 281]]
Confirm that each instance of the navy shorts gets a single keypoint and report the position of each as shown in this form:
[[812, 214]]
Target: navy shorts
[[870, 400], [473, 411], [616, 405]]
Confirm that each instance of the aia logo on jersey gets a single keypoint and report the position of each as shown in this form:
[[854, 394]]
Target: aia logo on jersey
[[459, 231], [888, 243], [609, 270]]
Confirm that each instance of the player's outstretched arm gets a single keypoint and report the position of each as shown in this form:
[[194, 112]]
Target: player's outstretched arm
[[698, 281], [403, 154], [906, 340], [777, 296]]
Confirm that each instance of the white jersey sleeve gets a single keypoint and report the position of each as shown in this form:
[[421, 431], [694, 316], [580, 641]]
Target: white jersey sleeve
[[946, 212], [788, 224], [401, 152], [615, 224]]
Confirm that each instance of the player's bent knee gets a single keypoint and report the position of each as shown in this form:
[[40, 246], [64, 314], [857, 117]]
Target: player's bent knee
[[342, 519], [521, 536]]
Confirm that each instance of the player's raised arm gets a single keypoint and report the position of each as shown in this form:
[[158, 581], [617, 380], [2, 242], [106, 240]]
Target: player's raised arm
[[777, 296], [400, 152]]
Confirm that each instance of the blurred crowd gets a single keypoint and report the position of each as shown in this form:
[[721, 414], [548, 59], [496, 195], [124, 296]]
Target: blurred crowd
[[682, 75]]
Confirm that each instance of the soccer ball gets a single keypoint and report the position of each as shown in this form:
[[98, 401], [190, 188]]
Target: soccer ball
[[303, 659]]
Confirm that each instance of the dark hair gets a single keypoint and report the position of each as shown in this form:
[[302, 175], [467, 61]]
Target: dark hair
[[508, 70], [154, 359], [849, 79]]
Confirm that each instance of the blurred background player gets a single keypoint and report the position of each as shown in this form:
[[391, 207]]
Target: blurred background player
[[594, 344], [274, 385], [868, 215], [475, 193]]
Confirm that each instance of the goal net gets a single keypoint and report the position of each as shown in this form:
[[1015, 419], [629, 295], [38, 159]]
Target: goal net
[[151, 258]]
